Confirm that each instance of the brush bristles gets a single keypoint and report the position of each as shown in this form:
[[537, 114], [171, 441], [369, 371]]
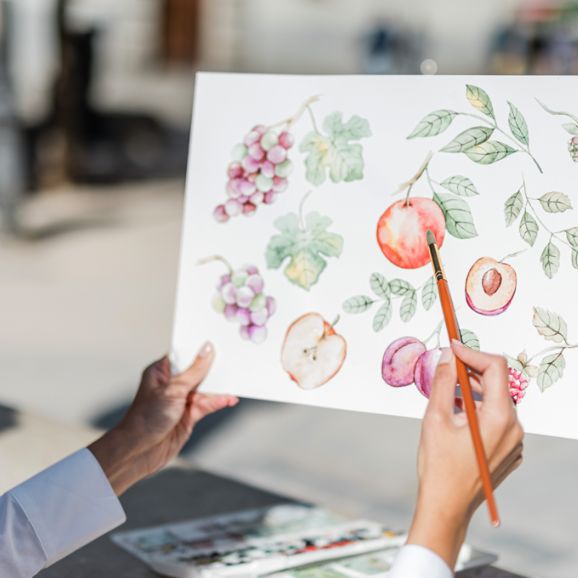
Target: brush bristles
[[431, 240]]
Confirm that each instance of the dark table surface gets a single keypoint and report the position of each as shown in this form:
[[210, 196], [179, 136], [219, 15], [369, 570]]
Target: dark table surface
[[173, 495]]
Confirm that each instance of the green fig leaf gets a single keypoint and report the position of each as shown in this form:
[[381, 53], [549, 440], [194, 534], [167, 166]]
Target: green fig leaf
[[304, 269], [334, 154], [307, 246]]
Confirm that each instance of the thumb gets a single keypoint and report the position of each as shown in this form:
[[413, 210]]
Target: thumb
[[194, 375], [444, 384]]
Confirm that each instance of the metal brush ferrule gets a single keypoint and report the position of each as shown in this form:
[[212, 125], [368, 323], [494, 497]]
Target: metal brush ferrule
[[436, 262]]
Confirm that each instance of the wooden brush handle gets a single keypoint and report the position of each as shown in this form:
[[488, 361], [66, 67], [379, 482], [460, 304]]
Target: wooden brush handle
[[468, 397]]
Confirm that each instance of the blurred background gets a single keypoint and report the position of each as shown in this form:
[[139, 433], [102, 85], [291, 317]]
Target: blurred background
[[95, 101]]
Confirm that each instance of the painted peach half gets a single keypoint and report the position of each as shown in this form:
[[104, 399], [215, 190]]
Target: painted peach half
[[425, 369], [490, 286], [402, 228], [399, 359]]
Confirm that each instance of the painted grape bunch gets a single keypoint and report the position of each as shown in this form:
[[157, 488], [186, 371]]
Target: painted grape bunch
[[257, 173], [241, 298]]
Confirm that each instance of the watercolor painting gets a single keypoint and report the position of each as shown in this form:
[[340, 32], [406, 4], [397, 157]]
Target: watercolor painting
[[570, 127], [312, 352], [490, 286], [331, 275], [240, 298], [305, 243]]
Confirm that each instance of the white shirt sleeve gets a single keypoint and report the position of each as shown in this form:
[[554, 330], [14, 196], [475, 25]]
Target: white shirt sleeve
[[418, 562], [54, 513]]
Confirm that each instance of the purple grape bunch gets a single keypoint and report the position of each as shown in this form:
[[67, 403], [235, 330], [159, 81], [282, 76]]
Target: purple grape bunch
[[240, 298], [258, 172], [573, 148]]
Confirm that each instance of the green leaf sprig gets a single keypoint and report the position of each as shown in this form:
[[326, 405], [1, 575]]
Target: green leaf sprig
[[384, 292], [520, 203], [546, 366], [476, 142]]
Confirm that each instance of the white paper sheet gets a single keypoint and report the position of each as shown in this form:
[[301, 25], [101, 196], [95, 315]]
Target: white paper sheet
[[225, 110]]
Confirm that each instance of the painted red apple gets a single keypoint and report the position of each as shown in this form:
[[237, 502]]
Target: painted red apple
[[490, 286], [312, 352], [402, 228], [425, 369], [399, 359]]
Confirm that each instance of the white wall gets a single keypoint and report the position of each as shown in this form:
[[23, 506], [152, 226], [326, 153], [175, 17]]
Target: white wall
[[324, 35], [256, 35], [128, 43]]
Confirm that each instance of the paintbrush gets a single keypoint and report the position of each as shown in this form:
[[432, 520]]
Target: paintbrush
[[463, 378]]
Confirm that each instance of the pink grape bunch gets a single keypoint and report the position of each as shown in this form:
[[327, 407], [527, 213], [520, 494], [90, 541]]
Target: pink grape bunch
[[258, 172], [240, 298], [573, 148]]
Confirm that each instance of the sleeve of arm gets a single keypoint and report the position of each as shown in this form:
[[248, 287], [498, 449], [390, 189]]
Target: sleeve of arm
[[418, 562], [54, 513]]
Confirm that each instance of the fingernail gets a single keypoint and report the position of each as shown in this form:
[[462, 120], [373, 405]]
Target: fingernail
[[446, 355], [457, 343], [206, 349]]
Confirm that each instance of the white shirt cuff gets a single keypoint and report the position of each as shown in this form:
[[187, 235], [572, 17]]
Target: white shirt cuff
[[418, 562], [69, 504]]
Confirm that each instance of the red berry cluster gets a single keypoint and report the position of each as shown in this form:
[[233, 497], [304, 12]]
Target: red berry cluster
[[517, 382]]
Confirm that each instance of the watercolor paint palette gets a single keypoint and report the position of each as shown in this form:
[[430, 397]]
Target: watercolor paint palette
[[285, 541], [253, 542], [303, 251], [377, 565]]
